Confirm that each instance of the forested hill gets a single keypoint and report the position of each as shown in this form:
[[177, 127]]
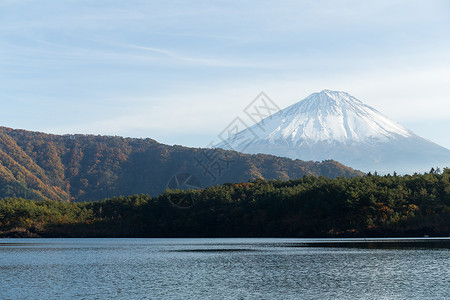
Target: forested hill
[[41, 166], [310, 206]]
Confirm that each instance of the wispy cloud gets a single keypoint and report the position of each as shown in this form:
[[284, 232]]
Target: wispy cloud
[[123, 66]]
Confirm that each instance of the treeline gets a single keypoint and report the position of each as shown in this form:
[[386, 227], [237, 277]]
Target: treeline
[[372, 205], [41, 166]]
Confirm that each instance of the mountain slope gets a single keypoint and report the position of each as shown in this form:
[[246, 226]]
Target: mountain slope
[[335, 125], [86, 167]]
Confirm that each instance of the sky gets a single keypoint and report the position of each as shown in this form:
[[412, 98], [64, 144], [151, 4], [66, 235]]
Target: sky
[[180, 71]]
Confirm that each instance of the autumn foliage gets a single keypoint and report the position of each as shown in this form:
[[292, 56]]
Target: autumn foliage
[[311, 206]]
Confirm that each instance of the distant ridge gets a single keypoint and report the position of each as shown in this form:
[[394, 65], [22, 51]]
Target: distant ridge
[[335, 125], [36, 165]]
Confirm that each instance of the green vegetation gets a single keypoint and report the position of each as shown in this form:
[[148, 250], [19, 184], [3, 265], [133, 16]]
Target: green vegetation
[[42, 166], [311, 206]]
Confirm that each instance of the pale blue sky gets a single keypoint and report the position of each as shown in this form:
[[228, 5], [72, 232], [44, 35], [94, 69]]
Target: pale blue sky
[[180, 71]]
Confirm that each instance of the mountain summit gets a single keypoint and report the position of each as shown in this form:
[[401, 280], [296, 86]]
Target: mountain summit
[[335, 125]]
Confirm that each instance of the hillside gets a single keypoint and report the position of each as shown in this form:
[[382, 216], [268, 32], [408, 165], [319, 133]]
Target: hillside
[[36, 165], [368, 206]]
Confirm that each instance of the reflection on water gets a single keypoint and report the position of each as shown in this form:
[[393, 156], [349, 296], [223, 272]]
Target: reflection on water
[[224, 269], [380, 243]]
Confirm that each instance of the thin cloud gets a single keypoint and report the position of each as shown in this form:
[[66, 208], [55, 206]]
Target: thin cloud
[[217, 54]]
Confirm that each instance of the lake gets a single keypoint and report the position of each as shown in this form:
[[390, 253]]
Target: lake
[[225, 268]]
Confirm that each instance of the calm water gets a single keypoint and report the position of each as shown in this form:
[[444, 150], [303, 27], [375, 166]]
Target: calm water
[[223, 269]]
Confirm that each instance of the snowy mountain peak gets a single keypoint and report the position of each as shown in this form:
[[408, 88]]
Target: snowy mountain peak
[[330, 116], [331, 125]]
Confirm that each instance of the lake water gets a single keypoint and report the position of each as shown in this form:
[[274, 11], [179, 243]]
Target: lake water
[[224, 269]]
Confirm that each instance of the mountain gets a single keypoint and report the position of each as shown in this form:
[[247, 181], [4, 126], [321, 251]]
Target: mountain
[[335, 125], [36, 165]]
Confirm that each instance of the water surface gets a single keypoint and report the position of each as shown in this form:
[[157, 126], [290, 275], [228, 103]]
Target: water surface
[[224, 269]]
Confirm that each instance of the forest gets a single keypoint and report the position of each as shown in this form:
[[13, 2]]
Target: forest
[[73, 168], [311, 206]]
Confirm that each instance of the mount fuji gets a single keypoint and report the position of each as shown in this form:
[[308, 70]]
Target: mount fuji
[[335, 125]]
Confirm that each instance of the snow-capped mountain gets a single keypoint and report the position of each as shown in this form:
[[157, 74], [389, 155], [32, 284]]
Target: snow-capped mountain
[[335, 125]]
